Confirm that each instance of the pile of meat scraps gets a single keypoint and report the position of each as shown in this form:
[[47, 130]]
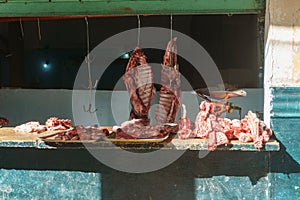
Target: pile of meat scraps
[[52, 124], [219, 130]]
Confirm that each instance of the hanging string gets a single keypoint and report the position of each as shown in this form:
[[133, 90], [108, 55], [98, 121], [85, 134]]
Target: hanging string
[[39, 29], [139, 30], [171, 26], [21, 28], [88, 61]]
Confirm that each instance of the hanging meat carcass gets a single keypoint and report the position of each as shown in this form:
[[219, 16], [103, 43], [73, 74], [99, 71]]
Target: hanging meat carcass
[[139, 83], [170, 94]]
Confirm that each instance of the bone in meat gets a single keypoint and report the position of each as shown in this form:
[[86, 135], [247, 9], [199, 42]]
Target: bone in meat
[[170, 95], [138, 80], [185, 126]]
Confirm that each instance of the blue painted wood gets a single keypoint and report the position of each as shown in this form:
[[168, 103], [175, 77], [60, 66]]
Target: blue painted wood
[[285, 186], [230, 187], [285, 102], [285, 118], [285, 122], [287, 131], [35, 184]]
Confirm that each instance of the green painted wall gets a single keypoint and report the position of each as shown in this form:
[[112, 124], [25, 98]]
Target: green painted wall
[[26, 8]]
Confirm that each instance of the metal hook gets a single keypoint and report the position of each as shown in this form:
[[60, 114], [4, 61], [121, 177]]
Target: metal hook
[[89, 109], [88, 61]]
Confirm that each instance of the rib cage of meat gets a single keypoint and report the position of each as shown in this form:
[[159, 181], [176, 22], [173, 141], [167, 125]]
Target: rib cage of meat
[[170, 95], [139, 83]]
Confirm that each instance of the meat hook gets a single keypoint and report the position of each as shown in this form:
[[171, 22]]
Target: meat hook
[[88, 61], [89, 109]]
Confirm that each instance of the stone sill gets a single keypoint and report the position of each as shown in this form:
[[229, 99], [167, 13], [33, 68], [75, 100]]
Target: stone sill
[[8, 138]]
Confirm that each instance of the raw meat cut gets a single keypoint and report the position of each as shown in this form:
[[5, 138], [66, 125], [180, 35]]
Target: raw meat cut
[[30, 127], [185, 126], [170, 93], [54, 124], [138, 80], [83, 133], [219, 130], [134, 129], [3, 121]]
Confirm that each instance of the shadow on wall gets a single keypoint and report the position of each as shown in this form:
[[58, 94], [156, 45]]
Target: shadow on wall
[[187, 178]]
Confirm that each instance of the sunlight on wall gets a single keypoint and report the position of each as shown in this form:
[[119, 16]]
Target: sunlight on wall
[[230, 187], [34, 184]]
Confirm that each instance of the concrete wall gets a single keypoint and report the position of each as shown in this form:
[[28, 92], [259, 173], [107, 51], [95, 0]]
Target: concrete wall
[[282, 66], [282, 91], [282, 55]]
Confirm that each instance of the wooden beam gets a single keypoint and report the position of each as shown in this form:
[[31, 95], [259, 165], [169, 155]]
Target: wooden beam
[[31, 8]]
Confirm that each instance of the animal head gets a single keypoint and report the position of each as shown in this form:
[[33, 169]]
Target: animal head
[[241, 92]]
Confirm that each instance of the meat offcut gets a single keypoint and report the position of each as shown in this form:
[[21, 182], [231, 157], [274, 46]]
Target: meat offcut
[[219, 130]]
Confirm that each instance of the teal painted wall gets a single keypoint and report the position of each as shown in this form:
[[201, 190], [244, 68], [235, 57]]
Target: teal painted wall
[[75, 174], [285, 121]]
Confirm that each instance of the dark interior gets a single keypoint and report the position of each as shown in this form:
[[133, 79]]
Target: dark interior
[[60, 44]]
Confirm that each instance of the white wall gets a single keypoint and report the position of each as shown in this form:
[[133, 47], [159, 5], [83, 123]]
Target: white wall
[[22, 105], [282, 49]]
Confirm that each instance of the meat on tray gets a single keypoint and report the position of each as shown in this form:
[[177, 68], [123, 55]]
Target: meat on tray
[[52, 124], [138, 80], [134, 129], [170, 94], [219, 130], [55, 124], [30, 127], [83, 133]]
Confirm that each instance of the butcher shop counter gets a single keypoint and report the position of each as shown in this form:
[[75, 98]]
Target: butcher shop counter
[[9, 138]]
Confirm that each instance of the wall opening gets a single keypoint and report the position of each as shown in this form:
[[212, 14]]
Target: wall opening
[[48, 54]]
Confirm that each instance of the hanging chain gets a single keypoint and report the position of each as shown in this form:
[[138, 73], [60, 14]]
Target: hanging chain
[[88, 60]]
